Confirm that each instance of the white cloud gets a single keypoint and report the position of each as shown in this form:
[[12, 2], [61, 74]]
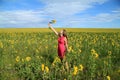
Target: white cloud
[[69, 1], [20, 17], [64, 8], [93, 20], [102, 17], [106, 17], [117, 10]]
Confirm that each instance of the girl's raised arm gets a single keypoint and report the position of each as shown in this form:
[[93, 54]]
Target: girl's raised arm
[[53, 29]]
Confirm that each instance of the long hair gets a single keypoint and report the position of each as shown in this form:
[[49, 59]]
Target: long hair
[[65, 34]]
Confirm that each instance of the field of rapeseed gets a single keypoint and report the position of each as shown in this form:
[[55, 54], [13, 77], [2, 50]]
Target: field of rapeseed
[[33, 56]]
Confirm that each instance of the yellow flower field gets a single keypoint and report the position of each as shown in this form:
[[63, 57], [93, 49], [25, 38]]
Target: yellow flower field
[[33, 56]]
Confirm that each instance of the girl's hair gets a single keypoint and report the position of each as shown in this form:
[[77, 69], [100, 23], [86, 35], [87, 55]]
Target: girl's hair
[[65, 33], [59, 34]]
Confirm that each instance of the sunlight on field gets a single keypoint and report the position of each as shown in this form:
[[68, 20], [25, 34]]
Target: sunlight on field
[[58, 29]]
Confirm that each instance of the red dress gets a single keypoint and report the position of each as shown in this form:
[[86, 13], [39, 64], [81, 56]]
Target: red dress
[[61, 47]]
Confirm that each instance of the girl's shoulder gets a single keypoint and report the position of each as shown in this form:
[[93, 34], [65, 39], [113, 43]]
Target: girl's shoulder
[[64, 38]]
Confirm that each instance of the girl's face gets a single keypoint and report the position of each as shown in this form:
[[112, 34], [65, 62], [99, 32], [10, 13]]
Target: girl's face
[[61, 33]]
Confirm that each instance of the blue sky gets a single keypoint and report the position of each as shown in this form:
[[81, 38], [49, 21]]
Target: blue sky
[[68, 13]]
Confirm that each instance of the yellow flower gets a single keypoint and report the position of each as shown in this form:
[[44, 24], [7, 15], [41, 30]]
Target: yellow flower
[[57, 60], [12, 41], [46, 69], [81, 67], [22, 60], [109, 52], [96, 55], [103, 37], [70, 48], [37, 51], [75, 70], [41, 57], [118, 71], [64, 79], [28, 58], [53, 64], [93, 51], [43, 66], [113, 43], [17, 59], [1, 44], [80, 50], [108, 77]]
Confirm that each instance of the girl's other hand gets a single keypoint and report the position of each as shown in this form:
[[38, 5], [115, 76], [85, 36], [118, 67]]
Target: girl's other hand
[[67, 51]]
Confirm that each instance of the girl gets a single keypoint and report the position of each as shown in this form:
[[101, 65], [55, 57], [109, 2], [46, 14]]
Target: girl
[[62, 41]]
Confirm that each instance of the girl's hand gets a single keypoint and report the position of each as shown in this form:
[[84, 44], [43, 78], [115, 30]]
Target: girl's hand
[[67, 51], [49, 24]]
